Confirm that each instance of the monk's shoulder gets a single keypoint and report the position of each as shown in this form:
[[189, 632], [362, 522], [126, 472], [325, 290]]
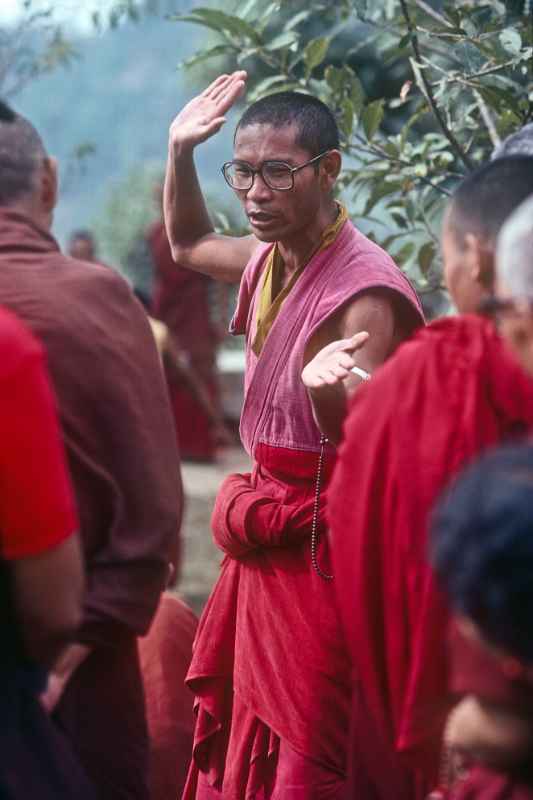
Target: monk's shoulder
[[436, 362], [17, 343]]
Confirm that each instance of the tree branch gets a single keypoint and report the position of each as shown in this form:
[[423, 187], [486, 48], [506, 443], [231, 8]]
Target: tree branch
[[374, 150], [429, 92]]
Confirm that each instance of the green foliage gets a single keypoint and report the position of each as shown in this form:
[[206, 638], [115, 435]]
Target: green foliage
[[37, 43], [461, 78]]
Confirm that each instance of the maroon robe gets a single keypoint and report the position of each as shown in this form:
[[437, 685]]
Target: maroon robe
[[270, 670], [448, 394], [181, 302], [115, 419], [165, 658]]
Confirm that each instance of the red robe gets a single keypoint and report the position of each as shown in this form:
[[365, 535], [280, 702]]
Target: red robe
[[181, 302], [165, 658], [281, 729], [447, 395]]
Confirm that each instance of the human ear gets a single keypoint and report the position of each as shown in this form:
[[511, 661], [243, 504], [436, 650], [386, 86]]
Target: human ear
[[330, 166], [479, 257], [49, 184], [518, 330]]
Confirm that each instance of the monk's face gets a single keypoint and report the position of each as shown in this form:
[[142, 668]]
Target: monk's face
[[82, 249], [515, 324], [274, 215], [468, 266]]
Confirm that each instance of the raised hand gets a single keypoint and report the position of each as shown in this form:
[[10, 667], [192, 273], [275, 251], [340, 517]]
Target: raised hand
[[203, 116], [333, 363]]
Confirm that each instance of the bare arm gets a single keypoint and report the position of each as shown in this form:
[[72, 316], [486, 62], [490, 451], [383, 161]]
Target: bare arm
[[47, 595], [193, 242], [361, 334]]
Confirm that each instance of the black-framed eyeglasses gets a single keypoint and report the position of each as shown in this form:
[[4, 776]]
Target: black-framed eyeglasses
[[277, 175]]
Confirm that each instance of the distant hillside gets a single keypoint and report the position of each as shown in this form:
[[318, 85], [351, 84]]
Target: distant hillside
[[120, 96]]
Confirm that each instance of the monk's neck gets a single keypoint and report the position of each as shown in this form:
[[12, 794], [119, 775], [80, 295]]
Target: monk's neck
[[297, 251]]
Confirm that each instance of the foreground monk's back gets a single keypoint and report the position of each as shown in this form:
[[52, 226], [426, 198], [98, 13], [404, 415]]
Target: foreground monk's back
[[269, 671], [115, 423]]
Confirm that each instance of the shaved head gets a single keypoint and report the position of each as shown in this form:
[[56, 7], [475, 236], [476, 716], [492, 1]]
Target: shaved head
[[517, 144], [486, 197], [21, 153], [514, 257]]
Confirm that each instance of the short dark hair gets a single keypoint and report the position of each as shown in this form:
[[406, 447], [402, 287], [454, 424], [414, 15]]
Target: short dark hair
[[314, 121], [21, 152], [482, 547], [486, 197], [82, 233], [519, 143]]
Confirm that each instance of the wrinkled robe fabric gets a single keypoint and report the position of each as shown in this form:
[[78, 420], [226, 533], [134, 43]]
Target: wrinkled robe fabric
[[166, 654], [181, 301], [448, 394], [270, 671], [115, 419]]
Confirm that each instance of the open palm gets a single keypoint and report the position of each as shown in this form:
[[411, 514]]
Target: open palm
[[203, 116]]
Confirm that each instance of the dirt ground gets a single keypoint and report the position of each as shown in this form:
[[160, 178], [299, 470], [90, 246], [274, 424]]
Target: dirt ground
[[201, 559]]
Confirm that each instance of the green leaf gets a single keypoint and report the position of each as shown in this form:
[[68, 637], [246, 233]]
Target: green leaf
[[426, 255], [285, 39], [315, 52], [405, 253], [347, 117], [511, 41], [383, 189], [220, 21], [205, 55], [357, 94], [372, 117], [298, 19]]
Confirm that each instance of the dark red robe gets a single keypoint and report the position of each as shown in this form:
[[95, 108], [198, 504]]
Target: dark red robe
[[448, 394], [166, 654], [115, 419], [181, 301]]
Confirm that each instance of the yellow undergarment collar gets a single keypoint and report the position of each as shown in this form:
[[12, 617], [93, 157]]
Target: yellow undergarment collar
[[272, 296]]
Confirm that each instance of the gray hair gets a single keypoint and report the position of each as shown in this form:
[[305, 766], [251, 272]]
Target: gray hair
[[514, 254], [21, 152], [517, 144]]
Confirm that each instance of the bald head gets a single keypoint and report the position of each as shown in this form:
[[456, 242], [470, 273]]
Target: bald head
[[514, 255], [486, 197], [22, 153]]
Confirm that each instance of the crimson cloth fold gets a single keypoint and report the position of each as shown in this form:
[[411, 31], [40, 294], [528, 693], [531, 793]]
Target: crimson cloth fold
[[181, 301], [448, 394], [245, 519], [253, 619], [165, 655]]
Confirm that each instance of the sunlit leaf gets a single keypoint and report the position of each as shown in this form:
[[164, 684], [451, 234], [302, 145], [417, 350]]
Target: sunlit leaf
[[372, 117]]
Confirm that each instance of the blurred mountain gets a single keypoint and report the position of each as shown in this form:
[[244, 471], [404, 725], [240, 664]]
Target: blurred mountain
[[118, 97]]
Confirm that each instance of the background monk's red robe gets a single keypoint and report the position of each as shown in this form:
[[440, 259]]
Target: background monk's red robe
[[165, 658], [448, 394], [181, 301]]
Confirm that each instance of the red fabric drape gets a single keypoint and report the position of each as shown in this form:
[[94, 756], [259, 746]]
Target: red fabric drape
[[447, 395]]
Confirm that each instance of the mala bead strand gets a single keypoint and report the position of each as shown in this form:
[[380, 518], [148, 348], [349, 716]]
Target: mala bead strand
[[314, 525]]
